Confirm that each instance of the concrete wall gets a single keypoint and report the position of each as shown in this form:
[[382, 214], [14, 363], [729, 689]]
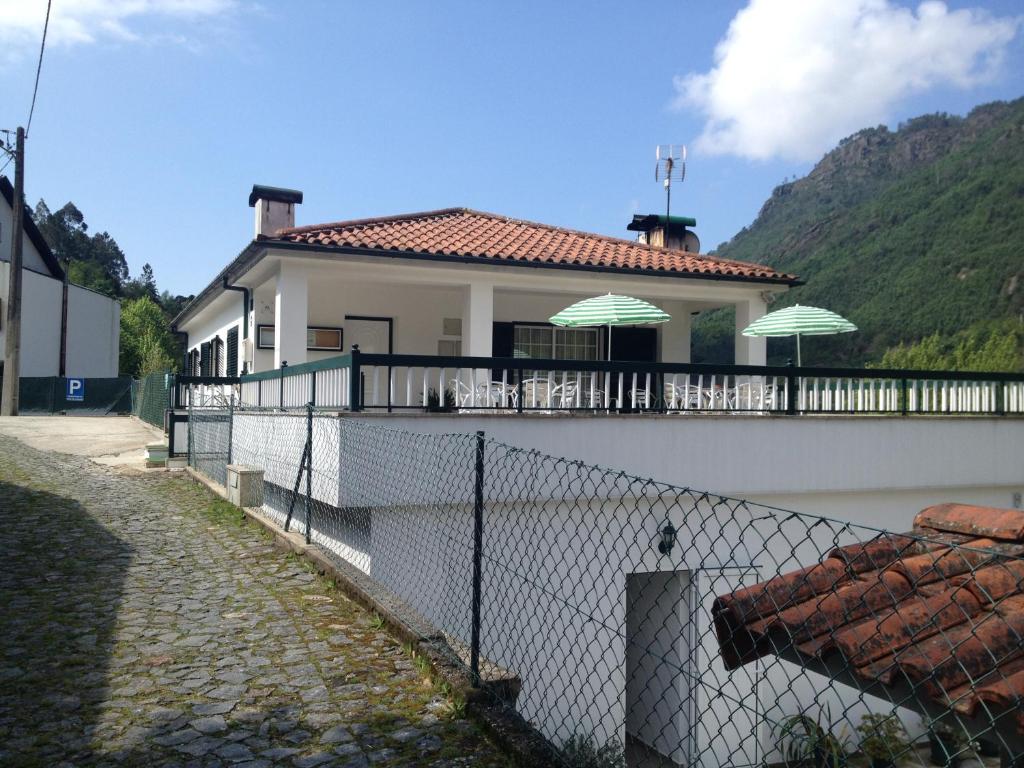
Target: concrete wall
[[30, 258], [871, 470], [94, 327], [562, 541], [94, 334]]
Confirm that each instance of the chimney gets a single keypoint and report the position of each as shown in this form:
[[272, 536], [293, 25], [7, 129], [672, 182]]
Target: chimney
[[275, 208], [663, 231]]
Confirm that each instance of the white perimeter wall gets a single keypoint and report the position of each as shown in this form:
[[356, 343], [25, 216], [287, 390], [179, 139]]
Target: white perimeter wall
[[873, 471], [94, 334], [554, 540], [94, 327]]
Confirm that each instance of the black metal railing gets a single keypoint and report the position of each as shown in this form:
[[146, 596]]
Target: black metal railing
[[360, 381]]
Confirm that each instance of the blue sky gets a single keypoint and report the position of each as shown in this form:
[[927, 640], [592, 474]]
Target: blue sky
[[157, 123]]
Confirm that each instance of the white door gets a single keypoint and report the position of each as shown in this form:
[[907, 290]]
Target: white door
[[373, 335]]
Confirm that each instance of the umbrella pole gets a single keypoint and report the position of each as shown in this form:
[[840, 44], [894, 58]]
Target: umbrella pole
[[609, 342], [798, 350]]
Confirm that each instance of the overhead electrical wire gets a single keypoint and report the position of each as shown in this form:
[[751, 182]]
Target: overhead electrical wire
[[39, 68]]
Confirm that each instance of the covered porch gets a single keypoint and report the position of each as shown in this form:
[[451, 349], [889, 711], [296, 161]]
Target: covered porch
[[305, 310]]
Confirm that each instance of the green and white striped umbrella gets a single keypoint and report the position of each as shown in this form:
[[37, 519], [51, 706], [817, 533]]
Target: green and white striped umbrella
[[610, 310], [799, 321]]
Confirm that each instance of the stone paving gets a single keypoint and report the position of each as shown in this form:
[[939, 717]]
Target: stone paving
[[143, 623]]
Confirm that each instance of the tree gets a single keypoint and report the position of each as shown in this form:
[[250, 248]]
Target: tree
[[94, 261], [143, 285], [146, 342], [985, 346], [172, 305]]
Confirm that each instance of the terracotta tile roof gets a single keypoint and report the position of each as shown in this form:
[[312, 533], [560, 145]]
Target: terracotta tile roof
[[940, 608], [464, 233]]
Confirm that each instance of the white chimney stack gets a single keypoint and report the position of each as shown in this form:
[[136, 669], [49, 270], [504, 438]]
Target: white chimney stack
[[275, 208]]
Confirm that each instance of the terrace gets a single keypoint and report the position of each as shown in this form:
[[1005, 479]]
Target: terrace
[[396, 383]]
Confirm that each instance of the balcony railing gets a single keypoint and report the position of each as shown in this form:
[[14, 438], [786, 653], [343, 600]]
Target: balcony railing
[[360, 381]]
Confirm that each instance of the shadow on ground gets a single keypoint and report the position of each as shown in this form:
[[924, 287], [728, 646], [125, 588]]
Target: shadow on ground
[[60, 587]]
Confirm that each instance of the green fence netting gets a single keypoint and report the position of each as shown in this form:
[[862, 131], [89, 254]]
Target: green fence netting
[[150, 397], [58, 394]]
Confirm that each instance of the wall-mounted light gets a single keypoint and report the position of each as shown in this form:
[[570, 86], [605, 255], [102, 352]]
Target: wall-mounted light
[[668, 539]]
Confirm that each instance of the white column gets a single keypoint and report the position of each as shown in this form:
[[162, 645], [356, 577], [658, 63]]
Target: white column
[[291, 299], [478, 319], [750, 351], [674, 336], [477, 334]]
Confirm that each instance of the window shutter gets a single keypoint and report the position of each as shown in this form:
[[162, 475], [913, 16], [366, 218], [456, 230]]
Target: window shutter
[[232, 361], [218, 356], [204, 359]]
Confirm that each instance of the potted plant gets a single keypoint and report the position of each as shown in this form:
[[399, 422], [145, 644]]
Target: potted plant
[[948, 744], [805, 743], [883, 739], [434, 401]]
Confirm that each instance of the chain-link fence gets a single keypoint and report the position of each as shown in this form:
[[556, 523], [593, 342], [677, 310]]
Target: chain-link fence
[[644, 624], [85, 396], [150, 397]]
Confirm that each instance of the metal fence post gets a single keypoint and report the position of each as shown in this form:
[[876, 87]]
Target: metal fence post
[[309, 465], [355, 384], [478, 546], [904, 400], [280, 392], [231, 425], [792, 387]]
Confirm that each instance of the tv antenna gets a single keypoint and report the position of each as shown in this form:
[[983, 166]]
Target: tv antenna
[[669, 166]]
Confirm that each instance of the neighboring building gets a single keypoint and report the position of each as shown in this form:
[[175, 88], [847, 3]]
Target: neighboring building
[[93, 326], [454, 281]]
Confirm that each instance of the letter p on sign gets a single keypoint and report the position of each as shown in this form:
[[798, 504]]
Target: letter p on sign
[[76, 390]]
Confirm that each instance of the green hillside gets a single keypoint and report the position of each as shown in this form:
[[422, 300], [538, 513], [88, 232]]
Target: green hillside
[[908, 233]]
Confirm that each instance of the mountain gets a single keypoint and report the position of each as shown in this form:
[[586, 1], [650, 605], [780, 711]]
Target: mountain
[[908, 233]]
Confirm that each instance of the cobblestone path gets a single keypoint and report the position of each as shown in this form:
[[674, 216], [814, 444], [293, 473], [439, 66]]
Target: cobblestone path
[[142, 623]]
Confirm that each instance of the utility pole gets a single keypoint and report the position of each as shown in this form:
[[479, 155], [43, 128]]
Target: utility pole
[[12, 342]]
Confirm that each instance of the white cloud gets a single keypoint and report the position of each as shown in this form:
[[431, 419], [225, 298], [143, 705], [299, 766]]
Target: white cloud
[[792, 78], [76, 22]]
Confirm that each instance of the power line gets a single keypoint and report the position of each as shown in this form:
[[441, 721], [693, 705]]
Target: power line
[[39, 68]]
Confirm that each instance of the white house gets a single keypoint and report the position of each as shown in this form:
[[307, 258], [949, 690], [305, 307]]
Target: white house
[[86, 345], [453, 281], [415, 292]]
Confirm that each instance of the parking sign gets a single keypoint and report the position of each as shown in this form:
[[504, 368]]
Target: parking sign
[[76, 390]]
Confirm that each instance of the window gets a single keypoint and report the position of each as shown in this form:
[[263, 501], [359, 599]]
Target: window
[[542, 341], [323, 338], [264, 337], [232, 361], [316, 338]]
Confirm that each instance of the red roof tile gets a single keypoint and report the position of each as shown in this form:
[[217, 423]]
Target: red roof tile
[[464, 233], [941, 607]]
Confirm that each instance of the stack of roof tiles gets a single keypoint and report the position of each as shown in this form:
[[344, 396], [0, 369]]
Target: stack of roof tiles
[[464, 233], [941, 608]]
